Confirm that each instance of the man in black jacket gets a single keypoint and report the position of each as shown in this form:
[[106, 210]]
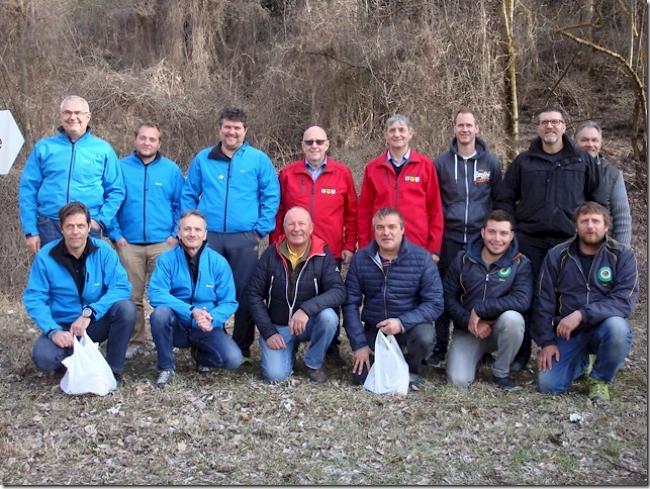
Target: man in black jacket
[[488, 288], [293, 295]]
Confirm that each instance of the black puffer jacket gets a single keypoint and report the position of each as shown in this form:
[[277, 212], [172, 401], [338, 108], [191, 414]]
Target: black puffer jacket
[[317, 287]]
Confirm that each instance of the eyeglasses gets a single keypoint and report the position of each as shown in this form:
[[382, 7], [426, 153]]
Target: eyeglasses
[[552, 122], [310, 142], [76, 113]]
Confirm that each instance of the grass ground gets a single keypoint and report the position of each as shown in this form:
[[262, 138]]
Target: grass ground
[[232, 428]]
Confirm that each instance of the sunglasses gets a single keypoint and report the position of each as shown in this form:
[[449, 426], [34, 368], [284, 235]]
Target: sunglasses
[[319, 142]]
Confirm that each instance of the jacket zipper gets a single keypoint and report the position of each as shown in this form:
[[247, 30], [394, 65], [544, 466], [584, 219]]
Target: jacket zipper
[[225, 207], [70, 167], [466, 201], [268, 302], [144, 205]]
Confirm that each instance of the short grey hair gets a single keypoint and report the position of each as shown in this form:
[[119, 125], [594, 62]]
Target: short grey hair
[[398, 118], [74, 98], [385, 212], [590, 125]]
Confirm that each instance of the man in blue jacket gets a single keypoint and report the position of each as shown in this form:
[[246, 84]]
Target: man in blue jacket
[[586, 292], [488, 288], [193, 293], [73, 165], [468, 175], [294, 294], [237, 189], [145, 225], [399, 287], [76, 285]]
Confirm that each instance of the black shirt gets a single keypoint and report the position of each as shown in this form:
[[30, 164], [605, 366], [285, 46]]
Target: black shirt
[[76, 266]]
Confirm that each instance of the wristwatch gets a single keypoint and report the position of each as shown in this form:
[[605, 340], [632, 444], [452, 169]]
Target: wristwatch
[[87, 312]]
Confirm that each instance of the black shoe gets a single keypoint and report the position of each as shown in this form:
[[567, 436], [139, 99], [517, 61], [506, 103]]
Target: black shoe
[[118, 380], [504, 383], [317, 375], [518, 364], [439, 353]]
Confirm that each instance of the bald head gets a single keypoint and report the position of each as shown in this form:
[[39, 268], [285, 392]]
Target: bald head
[[315, 145], [298, 228]]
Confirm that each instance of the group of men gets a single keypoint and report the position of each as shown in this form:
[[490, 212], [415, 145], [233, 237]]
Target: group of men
[[423, 243]]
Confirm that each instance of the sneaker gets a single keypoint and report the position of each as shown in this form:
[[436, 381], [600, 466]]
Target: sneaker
[[415, 382], [598, 390], [589, 368], [439, 353], [118, 380], [246, 353], [164, 378], [133, 350], [317, 375], [504, 383]]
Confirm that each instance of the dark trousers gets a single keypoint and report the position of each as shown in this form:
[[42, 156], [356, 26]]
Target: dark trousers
[[449, 251], [241, 252]]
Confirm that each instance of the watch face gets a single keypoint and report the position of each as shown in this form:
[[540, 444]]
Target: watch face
[[87, 312]]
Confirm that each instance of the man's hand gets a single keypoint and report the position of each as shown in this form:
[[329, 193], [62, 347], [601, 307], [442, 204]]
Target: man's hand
[[298, 322], [435, 257], [346, 256], [121, 243], [33, 243], [472, 324], [361, 359], [171, 241], [545, 357], [568, 323], [62, 339], [390, 326], [78, 327], [203, 319], [483, 329], [276, 342]]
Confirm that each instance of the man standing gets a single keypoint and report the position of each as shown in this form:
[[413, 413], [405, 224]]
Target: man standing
[[193, 292], [236, 187], [587, 289], [145, 225], [468, 174], [398, 285], [488, 288], [293, 295], [406, 180], [612, 183], [325, 188], [76, 285], [72, 165], [541, 188]]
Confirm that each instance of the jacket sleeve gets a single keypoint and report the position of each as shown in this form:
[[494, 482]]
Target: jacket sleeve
[[453, 291], [191, 191], [179, 182], [36, 297], [364, 212], [333, 294], [116, 281], [518, 298], [542, 328], [224, 293], [350, 211], [351, 309], [30, 183], [113, 230], [160, 286], [269, 197], [436, 220], [620, 207], [274, 236], [431, 297], [621, 299], [114, 190], [257, 289], [508, 191]]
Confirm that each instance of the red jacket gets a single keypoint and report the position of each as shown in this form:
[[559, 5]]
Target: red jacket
[[331, 200], [415, 194]]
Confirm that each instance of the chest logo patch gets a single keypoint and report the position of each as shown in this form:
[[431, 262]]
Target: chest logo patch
[[328, 191], [412, 178], [482, 176], [504, 273], [604, 274]]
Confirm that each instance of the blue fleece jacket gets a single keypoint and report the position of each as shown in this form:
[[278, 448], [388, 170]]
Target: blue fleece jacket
[[59, 171], [172, 285], [52, 298], [236, 196], [150, 211]]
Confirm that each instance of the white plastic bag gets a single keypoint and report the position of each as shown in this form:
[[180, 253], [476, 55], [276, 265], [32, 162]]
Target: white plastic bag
[[88, 371], [390, 372]]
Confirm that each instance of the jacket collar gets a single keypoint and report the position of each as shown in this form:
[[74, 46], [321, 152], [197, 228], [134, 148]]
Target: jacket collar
[[317, 246]]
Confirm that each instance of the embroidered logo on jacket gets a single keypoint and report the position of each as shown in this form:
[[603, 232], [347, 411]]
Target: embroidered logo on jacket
[[482, 176], [412, 178], [604, 274], [504, 273], [328, 191]]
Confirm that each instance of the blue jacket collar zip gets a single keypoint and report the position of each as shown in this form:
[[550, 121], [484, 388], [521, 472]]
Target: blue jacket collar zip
[[217, 154], [65, 135], [155, 160]]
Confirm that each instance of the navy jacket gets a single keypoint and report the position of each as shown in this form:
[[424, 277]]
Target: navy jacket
[[411, 291], [610, 288], [506, 285], [318, 286]]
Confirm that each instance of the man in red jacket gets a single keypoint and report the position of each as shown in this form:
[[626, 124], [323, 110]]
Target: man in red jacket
[[325, 188], [406, 180]]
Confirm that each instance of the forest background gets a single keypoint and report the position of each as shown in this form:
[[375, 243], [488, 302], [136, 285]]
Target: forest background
[[345, 65]]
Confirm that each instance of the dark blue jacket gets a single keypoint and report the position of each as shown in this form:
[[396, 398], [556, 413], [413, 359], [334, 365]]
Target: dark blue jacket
[[318, 286], [506, 285], [410, 291], [610, 289]]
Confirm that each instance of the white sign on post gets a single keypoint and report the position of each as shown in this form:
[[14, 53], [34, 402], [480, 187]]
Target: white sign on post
[[11, 140]]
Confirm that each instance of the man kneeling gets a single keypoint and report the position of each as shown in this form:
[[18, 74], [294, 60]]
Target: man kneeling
[[487, 289], [294, 294], [193, 292], [587, 289], [77, 285]]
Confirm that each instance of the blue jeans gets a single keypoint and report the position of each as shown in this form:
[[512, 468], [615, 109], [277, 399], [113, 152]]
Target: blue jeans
[[610, 341], [50, 229], [214, 348], [116, 326], [278, 364]]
